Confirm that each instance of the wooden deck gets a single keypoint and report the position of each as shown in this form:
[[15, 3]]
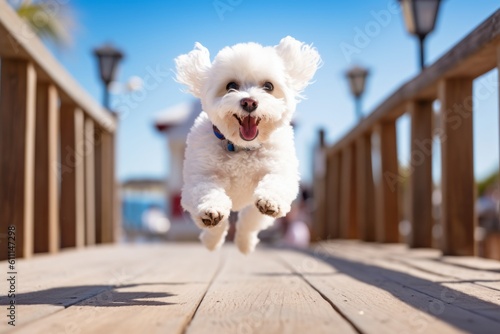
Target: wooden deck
[[341, 287]]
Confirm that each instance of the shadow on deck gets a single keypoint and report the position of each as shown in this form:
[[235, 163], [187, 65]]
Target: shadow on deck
[[351, 287]]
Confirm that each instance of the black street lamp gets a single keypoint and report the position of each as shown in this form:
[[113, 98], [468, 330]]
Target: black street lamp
[[420, 18], [108, 58], [357, 80]]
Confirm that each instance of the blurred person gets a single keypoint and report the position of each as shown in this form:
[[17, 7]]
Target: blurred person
[[296, 231], [155, 221]]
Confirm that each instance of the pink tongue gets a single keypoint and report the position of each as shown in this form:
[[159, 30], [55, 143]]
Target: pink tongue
[[248, 128]]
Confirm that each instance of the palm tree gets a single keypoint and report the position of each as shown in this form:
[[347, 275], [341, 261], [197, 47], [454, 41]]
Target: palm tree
[[49, 20]]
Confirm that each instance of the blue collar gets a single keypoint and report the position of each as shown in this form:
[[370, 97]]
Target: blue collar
[[229, 144]]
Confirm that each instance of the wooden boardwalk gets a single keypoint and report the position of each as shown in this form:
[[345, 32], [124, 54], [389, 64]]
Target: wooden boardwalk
[[335, 287]]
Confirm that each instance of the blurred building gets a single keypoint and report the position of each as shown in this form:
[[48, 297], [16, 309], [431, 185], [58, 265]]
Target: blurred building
[[175, 122]]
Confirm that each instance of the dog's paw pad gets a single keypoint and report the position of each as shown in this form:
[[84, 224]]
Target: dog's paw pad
[[268, 207], [211, 217]]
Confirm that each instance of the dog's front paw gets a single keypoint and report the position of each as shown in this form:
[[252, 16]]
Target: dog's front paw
[[212, 217], [269, 207]]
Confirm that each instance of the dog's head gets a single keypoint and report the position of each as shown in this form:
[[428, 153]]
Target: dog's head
[[249, 91]]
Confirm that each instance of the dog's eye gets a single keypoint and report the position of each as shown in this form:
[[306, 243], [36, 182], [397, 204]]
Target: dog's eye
[[268, 86], [232, 87]]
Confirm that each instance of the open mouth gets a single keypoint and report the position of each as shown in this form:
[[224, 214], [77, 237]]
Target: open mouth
[[248, 127]]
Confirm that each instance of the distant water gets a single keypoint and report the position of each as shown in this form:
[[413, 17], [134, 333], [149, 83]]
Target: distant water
[[134, 205]]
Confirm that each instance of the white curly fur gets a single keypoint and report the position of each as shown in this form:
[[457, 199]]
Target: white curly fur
[[260, 183]]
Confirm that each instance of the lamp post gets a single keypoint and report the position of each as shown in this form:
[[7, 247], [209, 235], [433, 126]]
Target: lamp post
[[357, 79], [108, 58], [420, 18]]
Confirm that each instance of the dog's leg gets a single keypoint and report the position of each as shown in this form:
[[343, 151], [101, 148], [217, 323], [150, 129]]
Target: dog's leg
[[207, 202], [275, 194], [250, 223], [214, 237]]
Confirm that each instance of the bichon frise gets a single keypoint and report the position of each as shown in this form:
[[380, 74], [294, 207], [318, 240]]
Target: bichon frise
[[240, 152]]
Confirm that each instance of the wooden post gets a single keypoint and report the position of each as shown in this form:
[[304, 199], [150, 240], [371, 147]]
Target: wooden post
[[46, 172], [72, 212], [365, 189], [332, 200], [386, 180], [17, 147], [90, 227], [104, 184], [332, 208], [115, 207], [457, 176], [421, 174], [320, 191], [348, 209]]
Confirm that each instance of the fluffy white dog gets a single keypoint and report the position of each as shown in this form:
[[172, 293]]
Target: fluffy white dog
[[240, 152]]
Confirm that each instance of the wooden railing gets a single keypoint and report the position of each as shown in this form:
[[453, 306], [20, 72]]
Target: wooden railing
[[57, 181], [357, 195]]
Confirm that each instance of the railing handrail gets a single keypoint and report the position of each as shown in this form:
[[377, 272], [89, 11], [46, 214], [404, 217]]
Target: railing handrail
[[473, 56], [13, 44]]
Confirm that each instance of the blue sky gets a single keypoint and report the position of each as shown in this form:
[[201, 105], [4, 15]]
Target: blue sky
[[153, 33]]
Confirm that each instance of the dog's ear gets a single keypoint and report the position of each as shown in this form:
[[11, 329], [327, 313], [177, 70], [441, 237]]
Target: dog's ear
[[301, 61], [192, 69]]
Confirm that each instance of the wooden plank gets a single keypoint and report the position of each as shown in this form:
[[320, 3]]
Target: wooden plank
[[473, 56], [375, 300], [386, 179], [332, 210], [421, 186], [46, 171], [90, 224], [257, 294], [479, 271], [365, 189], [464, 294], [154, 299], [348, 205], [18, 41], [457, 168], [17, 147], [72, 213], [52, 283]]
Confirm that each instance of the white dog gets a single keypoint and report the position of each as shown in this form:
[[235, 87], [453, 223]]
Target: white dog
[[240, 152]]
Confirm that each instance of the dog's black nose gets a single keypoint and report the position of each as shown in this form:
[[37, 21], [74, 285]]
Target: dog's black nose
[[248, 104]]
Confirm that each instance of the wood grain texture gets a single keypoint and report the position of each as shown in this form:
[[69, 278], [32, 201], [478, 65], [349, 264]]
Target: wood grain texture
[[17, 147], [379, 296], [345, 286], [386, 180], [457, 167], [421, 186], [72, 209], [155, 296], [365, 189], [258, 294], [46, 171], [50, 283]]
